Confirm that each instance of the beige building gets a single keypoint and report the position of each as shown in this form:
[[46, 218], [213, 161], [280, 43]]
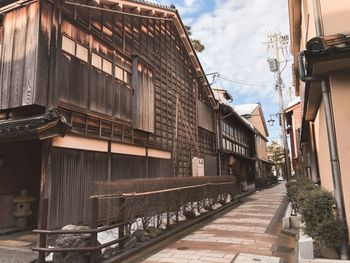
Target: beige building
[[326, 57], [293, 119]]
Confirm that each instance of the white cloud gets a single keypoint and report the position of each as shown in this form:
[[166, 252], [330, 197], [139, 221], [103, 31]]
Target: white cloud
[[233, 32], [190, 6], [233, 35]]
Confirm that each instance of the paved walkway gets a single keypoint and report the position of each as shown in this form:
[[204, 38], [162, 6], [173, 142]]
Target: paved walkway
[[17, 247], [241, 235]]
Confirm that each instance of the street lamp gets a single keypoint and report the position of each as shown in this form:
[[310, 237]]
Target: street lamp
[[271, 121]]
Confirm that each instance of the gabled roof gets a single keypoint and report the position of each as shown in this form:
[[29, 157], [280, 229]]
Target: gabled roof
[[145, 9], [222, 96], [292, 104], [246, 109]]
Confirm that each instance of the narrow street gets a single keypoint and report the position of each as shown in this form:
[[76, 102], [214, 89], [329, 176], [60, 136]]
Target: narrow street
[[248, 233]]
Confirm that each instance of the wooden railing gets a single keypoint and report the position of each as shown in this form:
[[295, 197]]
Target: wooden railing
[[119, 222], [93, 249]]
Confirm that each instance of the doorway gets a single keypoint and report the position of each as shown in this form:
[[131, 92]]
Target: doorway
[[20, 169]]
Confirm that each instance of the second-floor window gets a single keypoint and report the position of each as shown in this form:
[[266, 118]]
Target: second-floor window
[[102, 58], [235, 139], [74, 48]]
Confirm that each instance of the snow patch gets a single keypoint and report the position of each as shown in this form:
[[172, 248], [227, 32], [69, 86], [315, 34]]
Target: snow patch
[[49, 257], [216, 206], [107, 236]]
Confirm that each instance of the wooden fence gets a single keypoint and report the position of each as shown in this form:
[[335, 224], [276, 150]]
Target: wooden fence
[[119, 210]]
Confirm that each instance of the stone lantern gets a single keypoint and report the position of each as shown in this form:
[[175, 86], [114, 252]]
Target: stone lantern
[[23, 210]]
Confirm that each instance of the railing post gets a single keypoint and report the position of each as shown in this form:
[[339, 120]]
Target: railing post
[[121, 219], [167, 216], [178, 205], [43, 226], [94, 225]]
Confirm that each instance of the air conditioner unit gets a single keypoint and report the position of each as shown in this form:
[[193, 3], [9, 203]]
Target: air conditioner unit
[[197, 166]]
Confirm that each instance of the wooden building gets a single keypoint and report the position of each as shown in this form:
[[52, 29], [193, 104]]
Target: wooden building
[[236, 142], [93, 91], [255, 115]]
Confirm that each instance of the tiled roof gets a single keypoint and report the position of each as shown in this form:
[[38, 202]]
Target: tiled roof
[[32, 127], [170, 8]]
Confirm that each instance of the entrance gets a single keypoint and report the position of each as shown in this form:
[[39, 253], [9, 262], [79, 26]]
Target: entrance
[[20, 169]]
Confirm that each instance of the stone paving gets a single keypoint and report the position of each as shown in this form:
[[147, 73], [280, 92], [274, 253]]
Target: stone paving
[[237, 236]]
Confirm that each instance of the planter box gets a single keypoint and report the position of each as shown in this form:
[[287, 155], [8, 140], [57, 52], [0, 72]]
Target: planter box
[[306, 251], [305, 243]]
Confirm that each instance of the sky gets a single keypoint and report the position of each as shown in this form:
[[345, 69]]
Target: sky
[[233, 33]]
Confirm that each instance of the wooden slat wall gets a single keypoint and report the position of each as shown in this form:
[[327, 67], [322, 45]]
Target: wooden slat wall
[[143, 102], [159, 45], [74, 82], [44, 54], [205, 116], [19, 58], [74, 173]]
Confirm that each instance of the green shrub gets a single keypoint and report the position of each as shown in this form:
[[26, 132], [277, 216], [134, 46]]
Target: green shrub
[[298, 190], [328, 234], [316, 208], [321, 220], [292, 192]]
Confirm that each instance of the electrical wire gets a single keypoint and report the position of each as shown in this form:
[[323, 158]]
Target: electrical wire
[[244, 83], [118, 12]]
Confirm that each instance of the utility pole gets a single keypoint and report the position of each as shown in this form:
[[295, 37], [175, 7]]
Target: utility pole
[[278, 41]]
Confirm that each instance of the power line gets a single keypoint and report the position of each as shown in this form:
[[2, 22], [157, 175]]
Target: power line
[[245, 83], [117, 11]]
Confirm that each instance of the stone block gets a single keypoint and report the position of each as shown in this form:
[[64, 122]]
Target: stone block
[[306, 248], [295, 222], [286, 223]]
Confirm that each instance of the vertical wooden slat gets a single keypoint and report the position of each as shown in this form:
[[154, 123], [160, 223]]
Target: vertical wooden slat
[[19, 58], [121, 229], [31, 51], [94, 225], [43, 226], [7, 59]]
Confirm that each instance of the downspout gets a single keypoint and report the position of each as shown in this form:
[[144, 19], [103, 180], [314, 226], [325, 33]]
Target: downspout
[[332, 140], [218, 132]]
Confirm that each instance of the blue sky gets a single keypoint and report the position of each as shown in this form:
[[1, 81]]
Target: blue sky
[[233, 32]]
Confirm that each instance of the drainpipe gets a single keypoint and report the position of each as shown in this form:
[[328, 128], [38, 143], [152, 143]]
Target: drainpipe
[[332, 140], [218, 132]]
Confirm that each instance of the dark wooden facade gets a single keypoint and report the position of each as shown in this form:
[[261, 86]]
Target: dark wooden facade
[[127, 80], [236, 141]]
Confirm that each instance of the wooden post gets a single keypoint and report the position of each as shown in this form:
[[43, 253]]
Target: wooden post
[[177, 212], [167, 216], [43, 226], [121, 219], [94, 225]]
